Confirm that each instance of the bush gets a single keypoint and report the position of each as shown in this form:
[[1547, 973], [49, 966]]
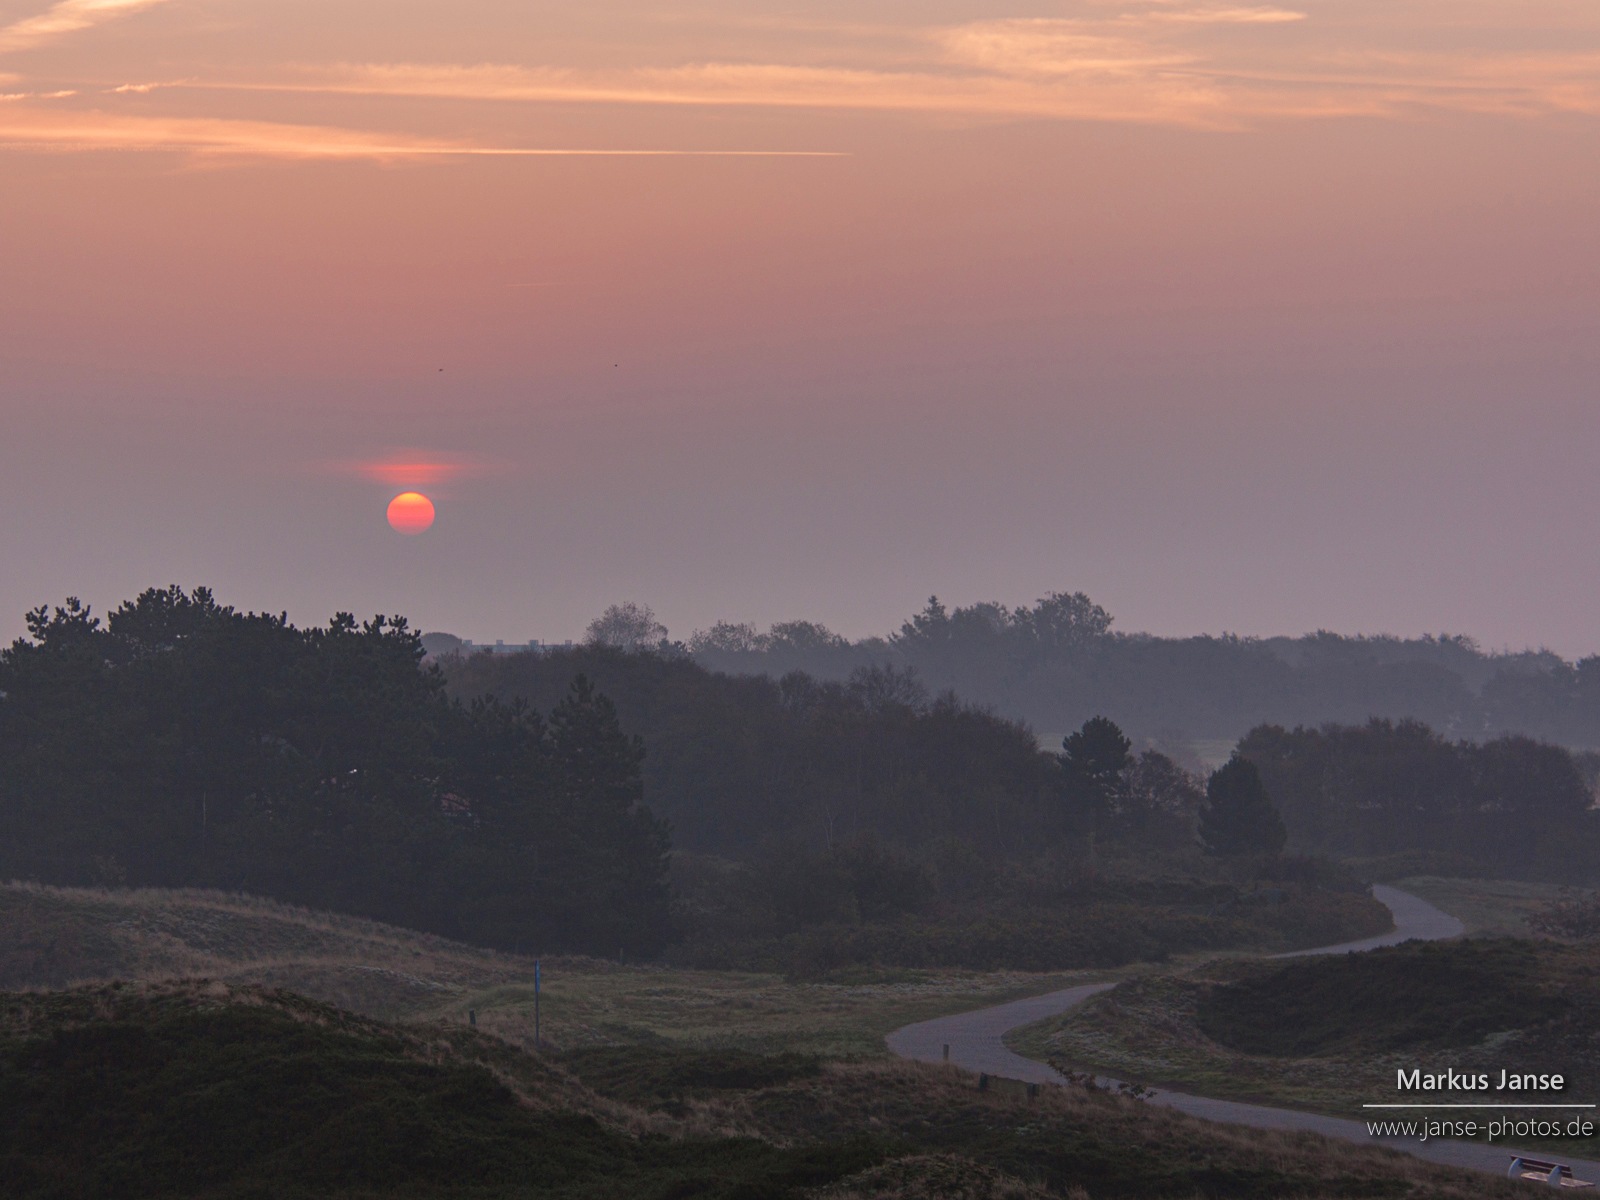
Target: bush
[[1415, 996]]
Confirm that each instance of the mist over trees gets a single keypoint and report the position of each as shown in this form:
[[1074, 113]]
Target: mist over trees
[[737, 763], [1059, 662], [620, 796], [818, 824]]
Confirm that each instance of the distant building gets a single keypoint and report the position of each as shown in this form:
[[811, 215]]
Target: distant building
[[441, 645]]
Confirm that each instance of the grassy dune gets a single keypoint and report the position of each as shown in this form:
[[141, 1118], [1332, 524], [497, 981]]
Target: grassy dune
[[206, 1089], [1330, 1034], [1488, 907], [53, 937]]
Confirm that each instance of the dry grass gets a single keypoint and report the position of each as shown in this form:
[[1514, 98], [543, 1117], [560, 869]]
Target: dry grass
[[938, 1177], [1103, 1141], [55, 937], [945, 1139], [1148, 1031], [1488, 907]]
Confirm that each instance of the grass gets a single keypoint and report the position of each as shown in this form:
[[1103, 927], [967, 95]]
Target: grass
[[209, 1090], [1329, 1034], [1488, 907], [53, 937], [179, 1091], [652, 1082]]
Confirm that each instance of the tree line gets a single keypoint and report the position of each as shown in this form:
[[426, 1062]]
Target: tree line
[[1510, 807], [183, 743], [738, 762], [1059, 661], [553, 801]]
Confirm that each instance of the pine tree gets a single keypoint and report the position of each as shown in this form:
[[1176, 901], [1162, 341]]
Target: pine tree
[[1093, 761], [617, 870], [1238, 817]]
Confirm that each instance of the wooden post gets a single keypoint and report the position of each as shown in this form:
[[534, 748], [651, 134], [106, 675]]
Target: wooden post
[[536, 1041], [472, 1017], [947, 1052]]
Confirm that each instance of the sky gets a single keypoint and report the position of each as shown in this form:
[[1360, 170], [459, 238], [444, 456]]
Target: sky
[[1238, 317]]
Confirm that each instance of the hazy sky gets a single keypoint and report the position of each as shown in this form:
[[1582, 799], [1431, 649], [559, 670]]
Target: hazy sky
[[1236, 316]]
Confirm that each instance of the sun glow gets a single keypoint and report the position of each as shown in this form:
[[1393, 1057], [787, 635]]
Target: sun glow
[[411, 512]]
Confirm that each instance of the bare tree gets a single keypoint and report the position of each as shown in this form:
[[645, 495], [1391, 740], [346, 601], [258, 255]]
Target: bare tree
[[725, 637], [628, 626]]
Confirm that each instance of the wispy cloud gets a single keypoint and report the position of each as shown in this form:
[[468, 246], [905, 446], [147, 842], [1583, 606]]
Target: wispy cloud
[[1159, 61], [83, 131], [60, 95], [1197, 63], [1133, 96], [1218, 16], [1046, 46], [417, 468], [66, 17]]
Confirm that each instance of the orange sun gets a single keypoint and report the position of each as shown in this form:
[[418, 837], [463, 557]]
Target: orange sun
[[411, 512]]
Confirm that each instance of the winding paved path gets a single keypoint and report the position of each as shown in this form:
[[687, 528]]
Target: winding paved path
[[975, 1043]]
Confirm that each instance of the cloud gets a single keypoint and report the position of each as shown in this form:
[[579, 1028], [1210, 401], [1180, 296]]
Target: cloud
[[1046, 46], [1163, 61], [40, 129], [1219, 16], [67, 17], [1214, 65], [417, 468], [1119, 93], [63, 95]]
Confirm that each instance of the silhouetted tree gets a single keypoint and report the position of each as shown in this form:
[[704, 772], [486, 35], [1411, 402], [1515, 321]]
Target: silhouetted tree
[[613, 880], [628, 626], [1160, 803], [182, 743], [1094, 760], [726, 637], [737, 762], [1238, 817]]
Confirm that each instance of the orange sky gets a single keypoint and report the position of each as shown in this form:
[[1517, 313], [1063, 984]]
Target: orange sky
[[1246, 316]]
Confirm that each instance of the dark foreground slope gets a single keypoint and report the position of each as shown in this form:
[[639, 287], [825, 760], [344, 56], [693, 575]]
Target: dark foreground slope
[[202, 1090]]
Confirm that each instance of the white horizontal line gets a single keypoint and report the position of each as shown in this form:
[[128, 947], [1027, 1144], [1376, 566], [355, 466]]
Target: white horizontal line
[[1477, 1106]]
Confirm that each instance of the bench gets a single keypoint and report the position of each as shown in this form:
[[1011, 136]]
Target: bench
[[1537, 1171]]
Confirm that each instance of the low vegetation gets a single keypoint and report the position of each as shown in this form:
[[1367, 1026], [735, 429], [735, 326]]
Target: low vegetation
[[1493, 907], [201, 1089], [1332, 1033], [1433, 996], [55, 937]]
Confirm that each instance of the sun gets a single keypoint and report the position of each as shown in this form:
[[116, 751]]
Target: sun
[[411, 512]]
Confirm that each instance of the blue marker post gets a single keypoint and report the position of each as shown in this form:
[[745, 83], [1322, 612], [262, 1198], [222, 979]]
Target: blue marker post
[[536, 1041]]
